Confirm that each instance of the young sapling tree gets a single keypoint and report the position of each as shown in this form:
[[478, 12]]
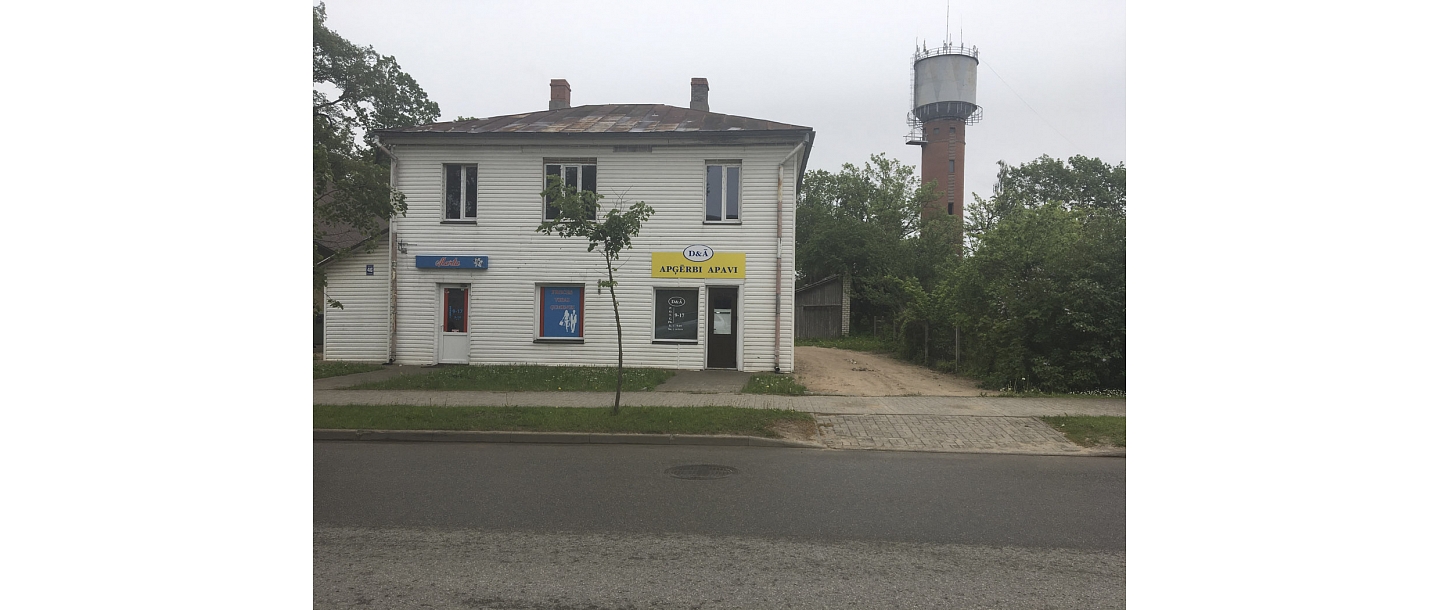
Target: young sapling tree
[[577, 216]]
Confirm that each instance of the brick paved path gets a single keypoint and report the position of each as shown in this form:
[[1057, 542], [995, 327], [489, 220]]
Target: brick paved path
[[958, 433]]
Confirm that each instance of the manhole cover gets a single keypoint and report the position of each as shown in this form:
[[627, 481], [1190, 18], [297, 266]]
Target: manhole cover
[[700, 471]]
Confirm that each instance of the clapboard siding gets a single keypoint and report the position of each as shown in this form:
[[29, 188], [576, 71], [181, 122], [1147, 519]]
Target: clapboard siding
[[360, 331], [670, 179]]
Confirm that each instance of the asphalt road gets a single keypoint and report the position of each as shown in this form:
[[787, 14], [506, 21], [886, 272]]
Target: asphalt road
[[593, 526]]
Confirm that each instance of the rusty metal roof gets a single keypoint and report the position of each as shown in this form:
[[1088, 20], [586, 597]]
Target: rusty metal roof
[[605, 118]]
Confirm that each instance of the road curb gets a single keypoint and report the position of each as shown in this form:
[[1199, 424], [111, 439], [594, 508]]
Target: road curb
[[1082, 453], [467, 436]]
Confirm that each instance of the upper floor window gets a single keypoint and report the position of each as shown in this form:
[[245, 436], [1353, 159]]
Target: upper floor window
[[722, 191], [577, 174], [460, 182]]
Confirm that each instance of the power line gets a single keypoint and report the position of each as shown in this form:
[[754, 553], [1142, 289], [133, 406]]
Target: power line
[[1027, 104]]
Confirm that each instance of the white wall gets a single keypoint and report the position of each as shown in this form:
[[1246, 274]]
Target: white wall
[[360, 331], [670, 179]]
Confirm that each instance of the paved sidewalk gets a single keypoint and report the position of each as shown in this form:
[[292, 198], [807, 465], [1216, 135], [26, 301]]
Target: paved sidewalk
[[966, 424], [851, 405], [706, 382], [947, 433]]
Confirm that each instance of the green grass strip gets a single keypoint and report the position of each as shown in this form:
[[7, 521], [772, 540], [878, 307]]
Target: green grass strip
[[638, 420], [335, 368], [1089, 430], [861, 343], [524, 378], [773, 384]]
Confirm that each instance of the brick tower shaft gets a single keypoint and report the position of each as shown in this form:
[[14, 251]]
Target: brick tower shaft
[[942, 161]]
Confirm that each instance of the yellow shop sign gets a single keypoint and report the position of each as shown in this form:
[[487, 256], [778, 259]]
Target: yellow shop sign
[[697, 262]]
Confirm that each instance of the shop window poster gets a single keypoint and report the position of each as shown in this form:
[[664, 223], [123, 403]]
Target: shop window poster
[[676, 314], [561, 312]]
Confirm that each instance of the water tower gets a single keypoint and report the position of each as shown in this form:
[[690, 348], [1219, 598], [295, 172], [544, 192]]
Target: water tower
[[943, 103]]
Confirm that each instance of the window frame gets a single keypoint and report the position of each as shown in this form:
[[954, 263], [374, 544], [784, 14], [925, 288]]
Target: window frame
[[469, 198], [655, 311], [726, 190], [539, 333], [563, 164]]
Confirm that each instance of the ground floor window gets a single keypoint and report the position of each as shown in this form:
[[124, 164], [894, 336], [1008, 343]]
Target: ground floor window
[[562, 312], [677, 315]]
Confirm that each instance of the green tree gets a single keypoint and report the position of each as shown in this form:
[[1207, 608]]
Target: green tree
[[927, 308], [864, 222], [356, 91], [1040, 297], [1037, 302], [1080, 183], [611, 235]]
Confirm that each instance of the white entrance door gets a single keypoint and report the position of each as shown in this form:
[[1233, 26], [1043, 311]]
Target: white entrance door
[[454, 345]]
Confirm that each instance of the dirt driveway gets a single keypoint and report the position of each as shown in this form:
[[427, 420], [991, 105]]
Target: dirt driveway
[[826, 370]]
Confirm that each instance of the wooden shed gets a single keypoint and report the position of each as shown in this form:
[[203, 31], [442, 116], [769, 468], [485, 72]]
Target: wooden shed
[[822, 308]]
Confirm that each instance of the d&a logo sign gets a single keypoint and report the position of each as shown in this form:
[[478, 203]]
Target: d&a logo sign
[[698, 254]]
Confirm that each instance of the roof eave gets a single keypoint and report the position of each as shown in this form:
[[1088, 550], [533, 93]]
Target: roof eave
[[778, 134]]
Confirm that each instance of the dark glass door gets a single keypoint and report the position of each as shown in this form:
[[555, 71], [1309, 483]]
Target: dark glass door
[[723, 325]]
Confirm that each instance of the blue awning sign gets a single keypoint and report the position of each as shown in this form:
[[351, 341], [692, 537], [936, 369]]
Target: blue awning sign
[[453, 261]]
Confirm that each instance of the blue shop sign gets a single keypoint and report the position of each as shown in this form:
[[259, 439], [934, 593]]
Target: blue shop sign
[[453, 261]]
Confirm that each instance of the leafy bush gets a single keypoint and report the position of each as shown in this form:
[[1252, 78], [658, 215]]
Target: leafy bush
[[1042, 302]]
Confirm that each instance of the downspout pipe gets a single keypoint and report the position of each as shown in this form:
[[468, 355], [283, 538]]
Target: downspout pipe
[[780, 237], [394, 319]]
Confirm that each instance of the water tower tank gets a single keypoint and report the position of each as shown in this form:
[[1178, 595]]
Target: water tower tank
[[945, 84]]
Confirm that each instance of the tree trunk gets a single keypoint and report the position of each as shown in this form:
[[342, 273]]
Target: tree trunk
[[619, 340]]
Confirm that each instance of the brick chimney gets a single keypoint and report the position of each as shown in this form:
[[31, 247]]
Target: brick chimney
[[559, 94], [699, 94]]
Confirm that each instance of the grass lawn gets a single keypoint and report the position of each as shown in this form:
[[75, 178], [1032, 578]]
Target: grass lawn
[[525, 378], [334, 368], [1089, 430], [859, 343], [773, 384], [640, 420]]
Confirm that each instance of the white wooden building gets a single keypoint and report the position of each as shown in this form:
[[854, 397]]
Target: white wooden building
[[467, 279]]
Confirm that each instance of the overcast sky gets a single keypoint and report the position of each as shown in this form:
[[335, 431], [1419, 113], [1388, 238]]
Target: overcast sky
[[1051, 78]]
